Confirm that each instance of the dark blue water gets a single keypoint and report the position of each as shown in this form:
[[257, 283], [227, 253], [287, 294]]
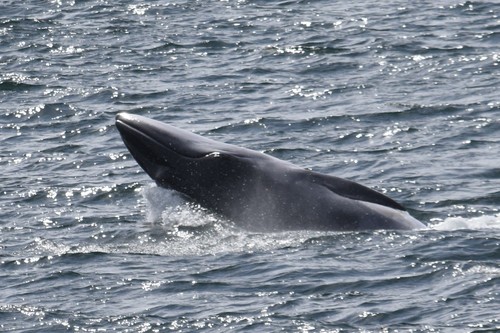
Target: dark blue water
[[402, 97]]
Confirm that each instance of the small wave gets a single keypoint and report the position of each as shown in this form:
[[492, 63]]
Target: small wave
[[473, 223], [11, 85]]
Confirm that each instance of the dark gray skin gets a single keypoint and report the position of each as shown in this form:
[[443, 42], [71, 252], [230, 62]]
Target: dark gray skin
[[255, 190]]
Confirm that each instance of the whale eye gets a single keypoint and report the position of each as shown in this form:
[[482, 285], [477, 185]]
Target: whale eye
[[214, 154]]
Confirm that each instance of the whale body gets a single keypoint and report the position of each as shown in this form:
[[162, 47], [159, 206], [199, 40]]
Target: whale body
[[253, 189]]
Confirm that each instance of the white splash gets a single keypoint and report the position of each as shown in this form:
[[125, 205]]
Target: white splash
[[169, 208], [159, 200], [473, 223]]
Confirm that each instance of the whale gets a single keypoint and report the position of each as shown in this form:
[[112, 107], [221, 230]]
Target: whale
[[254, 190]]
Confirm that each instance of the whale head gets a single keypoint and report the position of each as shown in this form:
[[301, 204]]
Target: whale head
[[212, 173]]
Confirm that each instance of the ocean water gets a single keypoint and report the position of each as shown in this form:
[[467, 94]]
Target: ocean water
[[400, 96]]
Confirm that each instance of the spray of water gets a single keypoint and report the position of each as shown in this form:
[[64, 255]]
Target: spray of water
[[472, 223]]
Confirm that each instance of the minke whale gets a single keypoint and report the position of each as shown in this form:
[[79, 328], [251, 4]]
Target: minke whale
[[255, 190]]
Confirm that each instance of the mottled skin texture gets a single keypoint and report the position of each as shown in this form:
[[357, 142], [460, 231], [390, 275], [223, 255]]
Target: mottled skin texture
[[255, 190]]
